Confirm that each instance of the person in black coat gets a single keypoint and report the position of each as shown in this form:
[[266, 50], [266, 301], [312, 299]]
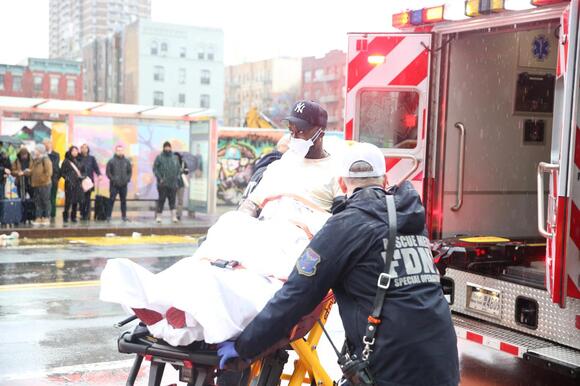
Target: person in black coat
[[91, 168], [55, 159], [5, 170], [73, 173]]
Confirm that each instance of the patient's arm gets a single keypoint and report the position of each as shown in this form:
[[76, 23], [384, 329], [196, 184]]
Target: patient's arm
[[249, 207]]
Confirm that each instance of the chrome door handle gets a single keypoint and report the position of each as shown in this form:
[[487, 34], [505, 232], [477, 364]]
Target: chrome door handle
[[543, 167], [460, 167]]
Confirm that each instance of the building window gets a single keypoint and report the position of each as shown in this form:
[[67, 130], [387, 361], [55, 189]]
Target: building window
[[154, 48], [1, 81], [307, 77], [181, 99], [200, 55], [70, 87], [163, 48], [38, 83], [210, 54], [53, 85], [158, 98], [204, 101], [319, 74], [205, 77], [159, 73], [17, 83], [182, 52], [181, 76]]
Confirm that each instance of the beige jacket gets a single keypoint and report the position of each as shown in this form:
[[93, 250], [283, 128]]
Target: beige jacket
[[41, 172]]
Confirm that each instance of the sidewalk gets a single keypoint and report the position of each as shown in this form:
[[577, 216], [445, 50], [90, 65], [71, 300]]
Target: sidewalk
[[141, 222]]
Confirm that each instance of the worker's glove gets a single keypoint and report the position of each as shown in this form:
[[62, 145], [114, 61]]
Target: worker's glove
[[227, 351]]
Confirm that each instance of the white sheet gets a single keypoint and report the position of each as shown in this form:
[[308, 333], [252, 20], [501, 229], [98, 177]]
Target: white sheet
[[218, 303]]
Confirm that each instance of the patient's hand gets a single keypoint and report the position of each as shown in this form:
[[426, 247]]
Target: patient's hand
[[249, 207]]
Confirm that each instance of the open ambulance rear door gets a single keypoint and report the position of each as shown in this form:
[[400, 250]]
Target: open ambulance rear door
[[387, 96], [561, 226]]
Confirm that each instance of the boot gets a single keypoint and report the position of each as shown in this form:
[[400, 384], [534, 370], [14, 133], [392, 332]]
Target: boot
[[158, 218], [174, 216], [65, 217]]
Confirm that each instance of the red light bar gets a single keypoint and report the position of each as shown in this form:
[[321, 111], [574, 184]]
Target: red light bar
[[433, 14], [401, 20], [546, 2]]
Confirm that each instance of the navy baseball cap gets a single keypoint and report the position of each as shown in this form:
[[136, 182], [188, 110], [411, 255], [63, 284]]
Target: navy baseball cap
[[307, 114]]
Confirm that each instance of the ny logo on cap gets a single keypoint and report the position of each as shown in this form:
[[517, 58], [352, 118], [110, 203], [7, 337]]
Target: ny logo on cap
[[300, 107]]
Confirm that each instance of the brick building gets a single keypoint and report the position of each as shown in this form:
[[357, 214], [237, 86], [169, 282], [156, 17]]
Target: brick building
[[42, 78], [323, 81]]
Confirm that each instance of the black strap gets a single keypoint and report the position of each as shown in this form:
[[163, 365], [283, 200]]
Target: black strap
[[384, 279]]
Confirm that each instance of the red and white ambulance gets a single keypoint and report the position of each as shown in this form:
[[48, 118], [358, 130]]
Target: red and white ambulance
[[480, 110]]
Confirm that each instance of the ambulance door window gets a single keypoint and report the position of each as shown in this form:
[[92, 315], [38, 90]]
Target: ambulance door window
[[388, 118]]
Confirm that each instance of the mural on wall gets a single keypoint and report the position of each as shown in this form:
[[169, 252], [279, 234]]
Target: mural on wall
[[237, 153]]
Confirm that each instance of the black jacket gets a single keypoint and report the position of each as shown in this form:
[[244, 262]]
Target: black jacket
[[415, 343], [90, 165], [4, 164], [119, 171], [55, 160], [72, 181]]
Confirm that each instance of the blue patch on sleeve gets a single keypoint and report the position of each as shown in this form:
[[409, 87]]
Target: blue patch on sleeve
[[307, 263]]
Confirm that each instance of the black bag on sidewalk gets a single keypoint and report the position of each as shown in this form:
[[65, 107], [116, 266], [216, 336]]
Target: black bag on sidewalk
[[101, 206], [28, 206]]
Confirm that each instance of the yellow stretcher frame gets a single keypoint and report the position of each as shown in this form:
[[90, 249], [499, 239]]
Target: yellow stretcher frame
[[308, 361]]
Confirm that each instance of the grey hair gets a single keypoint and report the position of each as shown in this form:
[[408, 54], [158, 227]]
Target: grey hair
[[358, 182]]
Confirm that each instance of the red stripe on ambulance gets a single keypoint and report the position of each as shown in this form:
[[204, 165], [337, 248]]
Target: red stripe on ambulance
[[414, 73], [359, 67]]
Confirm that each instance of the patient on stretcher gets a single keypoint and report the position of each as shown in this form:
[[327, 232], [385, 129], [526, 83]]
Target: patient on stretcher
[[195, 299]]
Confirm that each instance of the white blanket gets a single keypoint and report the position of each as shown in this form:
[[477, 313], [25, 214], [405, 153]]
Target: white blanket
[[219, 303]]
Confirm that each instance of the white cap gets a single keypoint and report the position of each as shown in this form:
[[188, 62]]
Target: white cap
[[364, 152]]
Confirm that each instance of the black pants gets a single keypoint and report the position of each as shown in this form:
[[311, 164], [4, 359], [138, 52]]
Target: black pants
[[85, 205], [166, 193], [122, 192], [53, 192], [70, 205], [42, 201]]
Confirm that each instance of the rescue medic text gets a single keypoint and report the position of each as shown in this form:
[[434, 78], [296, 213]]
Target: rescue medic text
[[414, 253]]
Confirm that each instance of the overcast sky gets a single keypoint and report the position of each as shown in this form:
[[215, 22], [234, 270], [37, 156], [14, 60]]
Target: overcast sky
[[254, 29]]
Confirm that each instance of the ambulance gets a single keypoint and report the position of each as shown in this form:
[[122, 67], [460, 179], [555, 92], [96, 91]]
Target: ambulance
[[477, 103]]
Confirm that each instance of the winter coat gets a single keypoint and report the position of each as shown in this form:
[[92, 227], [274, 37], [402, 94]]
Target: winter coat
[[167, 170], [4, 164], [119, 171], [415, 343], [41, 172], [90, 165], [55, 159], [72, 182], [184, 170], [21, 164]]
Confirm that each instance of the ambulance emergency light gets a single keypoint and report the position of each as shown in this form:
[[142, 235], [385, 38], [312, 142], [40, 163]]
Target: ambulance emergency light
[[419, 17]]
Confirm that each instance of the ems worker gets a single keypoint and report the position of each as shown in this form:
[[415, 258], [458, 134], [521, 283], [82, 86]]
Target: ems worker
[[415, 343]]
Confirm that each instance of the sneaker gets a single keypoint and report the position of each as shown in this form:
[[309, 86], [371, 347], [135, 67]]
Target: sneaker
[[126, 219], [36, 223], [158, 219]]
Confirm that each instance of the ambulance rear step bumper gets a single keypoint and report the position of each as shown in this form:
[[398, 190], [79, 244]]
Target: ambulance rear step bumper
[[537, 351]]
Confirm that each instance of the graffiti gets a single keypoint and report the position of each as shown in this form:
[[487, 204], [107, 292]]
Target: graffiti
[[238, 150]]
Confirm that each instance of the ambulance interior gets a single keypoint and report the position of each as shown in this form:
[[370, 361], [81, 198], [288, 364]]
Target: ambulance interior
[[500, 87]]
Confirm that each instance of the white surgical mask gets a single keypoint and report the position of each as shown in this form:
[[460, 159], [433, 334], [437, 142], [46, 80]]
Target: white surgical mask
[[300, 147]]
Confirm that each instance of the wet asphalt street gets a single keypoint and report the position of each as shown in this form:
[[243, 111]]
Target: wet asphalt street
[[54, 330]]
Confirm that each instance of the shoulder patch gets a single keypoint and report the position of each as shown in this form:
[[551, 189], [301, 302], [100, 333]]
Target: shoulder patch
[[307, 263]]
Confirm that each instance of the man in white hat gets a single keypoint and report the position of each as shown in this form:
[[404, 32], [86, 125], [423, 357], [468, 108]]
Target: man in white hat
[[375, 257]]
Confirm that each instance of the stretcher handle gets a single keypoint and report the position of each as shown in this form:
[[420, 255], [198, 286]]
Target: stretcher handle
[[125, 321], [460, 167], [543, 167]]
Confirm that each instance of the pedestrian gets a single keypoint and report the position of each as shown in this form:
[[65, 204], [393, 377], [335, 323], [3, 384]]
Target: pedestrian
[[397, 322], [119, 171], [73, 173], [91, 167], [41, 181], [167, 172], [181, 183], [5, 170], [21, 172], [55, 160]]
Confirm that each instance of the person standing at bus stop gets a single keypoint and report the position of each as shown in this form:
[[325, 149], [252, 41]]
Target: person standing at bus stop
[[91, 168], [375, 257], [167, 172], [55, 159], [119, 172]]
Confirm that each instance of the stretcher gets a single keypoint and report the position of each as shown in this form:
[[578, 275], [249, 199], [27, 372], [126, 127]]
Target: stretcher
[[197, 363]]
